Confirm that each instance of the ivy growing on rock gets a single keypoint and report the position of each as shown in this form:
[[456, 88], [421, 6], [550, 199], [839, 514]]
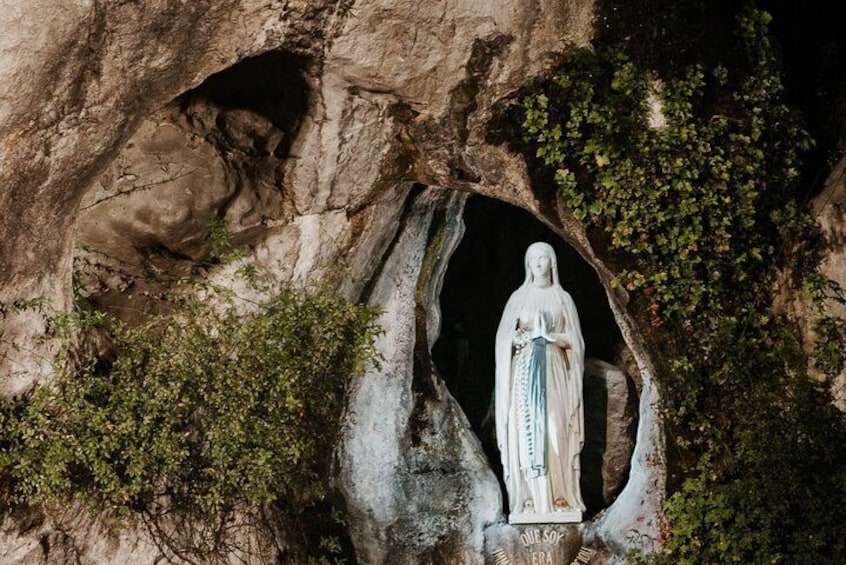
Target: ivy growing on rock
[[206, 414], [688, 176]]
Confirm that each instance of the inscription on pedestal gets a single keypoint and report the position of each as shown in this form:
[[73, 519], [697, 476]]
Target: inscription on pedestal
[[535, 545], [583, 557]]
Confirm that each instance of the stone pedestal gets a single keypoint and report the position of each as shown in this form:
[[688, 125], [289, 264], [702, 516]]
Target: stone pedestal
[[535, 544]]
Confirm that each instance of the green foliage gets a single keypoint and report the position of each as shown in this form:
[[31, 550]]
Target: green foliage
[[761, 491], [222, 248], [691, 198], [701, 218], [767, 442], [828, 350], [202, 414]]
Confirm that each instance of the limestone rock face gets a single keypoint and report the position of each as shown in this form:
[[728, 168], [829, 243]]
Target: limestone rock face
[[329, 136], [830, 209], [412, 471], [610, 421], [637, 509], [72, 534], [185, 184], [77, 80], [36, 536]]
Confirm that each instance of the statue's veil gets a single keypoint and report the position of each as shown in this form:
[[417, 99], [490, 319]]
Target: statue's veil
[[550, 252]]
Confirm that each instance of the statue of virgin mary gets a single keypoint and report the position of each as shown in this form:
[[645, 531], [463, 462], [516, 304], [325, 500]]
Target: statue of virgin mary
[[538, 396]]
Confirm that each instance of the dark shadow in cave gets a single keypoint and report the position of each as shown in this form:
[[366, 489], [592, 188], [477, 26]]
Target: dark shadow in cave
[[485, 269], [248, 112], [273, 85]]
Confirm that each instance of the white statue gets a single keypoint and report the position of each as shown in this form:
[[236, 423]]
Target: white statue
[[539, 414]]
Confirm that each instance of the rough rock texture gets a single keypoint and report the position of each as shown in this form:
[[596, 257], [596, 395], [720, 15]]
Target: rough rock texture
[[610, 421], [633, 522], [413, 475], [445, 62], [830, 210], [77, 79], [51, 536], [71, 534], [119, 143]]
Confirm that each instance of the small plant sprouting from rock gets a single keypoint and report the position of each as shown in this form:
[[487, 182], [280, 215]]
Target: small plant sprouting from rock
[[222, 248], [203, 414]]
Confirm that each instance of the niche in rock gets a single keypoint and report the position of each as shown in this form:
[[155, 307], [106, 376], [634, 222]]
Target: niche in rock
[[485, 269], [218, 152], [260, 102]]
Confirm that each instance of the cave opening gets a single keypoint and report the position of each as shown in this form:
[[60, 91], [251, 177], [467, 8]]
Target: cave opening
[[260, 102], [216, 153], [486, 267]]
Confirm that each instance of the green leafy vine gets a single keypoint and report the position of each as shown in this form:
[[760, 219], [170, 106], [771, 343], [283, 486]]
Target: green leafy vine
[[688, 177]]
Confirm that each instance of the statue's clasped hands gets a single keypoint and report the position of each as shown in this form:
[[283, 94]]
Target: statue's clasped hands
[[540, 329]]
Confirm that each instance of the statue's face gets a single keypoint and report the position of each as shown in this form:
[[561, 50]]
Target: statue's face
[[540, 264]]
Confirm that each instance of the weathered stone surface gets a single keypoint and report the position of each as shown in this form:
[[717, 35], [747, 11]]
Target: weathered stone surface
[[417, 485], [610, 420], [77, 81], [184, 181], [634, 520], [53, 537], [72, 534], [830, 210]]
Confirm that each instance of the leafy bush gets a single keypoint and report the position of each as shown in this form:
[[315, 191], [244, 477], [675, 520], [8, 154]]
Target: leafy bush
[[693, 199], [701, 218], [202, 414]]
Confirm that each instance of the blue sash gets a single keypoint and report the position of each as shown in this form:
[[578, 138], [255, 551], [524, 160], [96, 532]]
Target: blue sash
[[537, 409]]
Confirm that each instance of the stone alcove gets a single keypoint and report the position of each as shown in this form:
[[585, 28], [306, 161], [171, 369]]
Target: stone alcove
[[484, 269], [217, 152], [411, 477]]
